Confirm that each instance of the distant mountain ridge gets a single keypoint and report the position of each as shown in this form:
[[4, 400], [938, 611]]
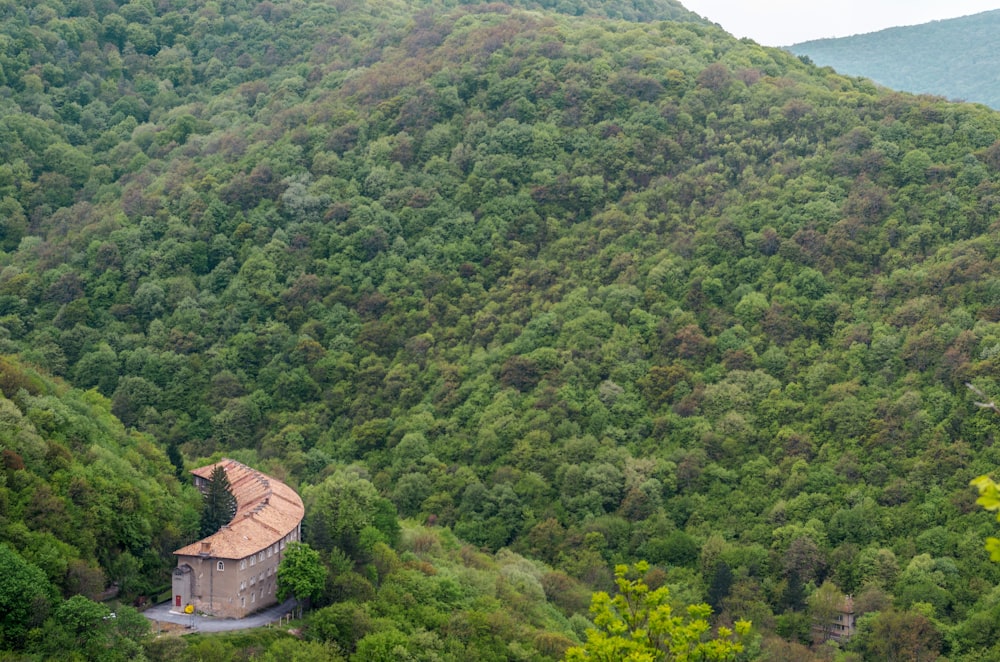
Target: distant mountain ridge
[[954, 58]]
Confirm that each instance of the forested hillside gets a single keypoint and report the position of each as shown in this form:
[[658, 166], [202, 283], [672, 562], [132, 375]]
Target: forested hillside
[[954, 58], [88, 511], [578, 285]]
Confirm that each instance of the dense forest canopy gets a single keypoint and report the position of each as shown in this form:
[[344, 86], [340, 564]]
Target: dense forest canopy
[[578, 284], [954, 58]]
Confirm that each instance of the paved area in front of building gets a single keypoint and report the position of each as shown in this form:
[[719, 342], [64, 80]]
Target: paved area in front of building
[[161, 614]]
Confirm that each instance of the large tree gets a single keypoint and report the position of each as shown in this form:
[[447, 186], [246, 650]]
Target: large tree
[[25, 598], [220, 504], [300, 574], [638, 624]]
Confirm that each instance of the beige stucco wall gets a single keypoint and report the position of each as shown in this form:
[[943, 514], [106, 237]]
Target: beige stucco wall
[[240, 588]]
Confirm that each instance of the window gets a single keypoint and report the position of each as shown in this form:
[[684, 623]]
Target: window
[[269, 552], [221, 566], [261, 556], [253, 560], [253, 580], [243, 585], [243, 564], [253, 597], [243, 602]]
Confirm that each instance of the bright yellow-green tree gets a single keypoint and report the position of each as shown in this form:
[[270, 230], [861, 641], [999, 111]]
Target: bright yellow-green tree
[[989, 498], [639, 625]]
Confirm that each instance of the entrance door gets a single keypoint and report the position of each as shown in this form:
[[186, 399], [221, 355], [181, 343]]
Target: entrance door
[[177, 601]]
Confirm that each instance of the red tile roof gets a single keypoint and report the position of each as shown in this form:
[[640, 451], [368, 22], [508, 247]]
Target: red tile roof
[[266, 511]]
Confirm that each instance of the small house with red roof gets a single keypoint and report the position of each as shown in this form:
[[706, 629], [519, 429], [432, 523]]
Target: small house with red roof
[[233, 572]]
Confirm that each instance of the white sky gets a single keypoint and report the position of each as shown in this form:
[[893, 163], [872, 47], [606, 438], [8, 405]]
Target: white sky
[[786, 22]]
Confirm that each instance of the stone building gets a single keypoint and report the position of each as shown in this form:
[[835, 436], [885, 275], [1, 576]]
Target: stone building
[[233, 572]]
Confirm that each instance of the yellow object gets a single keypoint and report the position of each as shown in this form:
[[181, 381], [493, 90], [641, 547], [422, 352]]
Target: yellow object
[[189, 609]]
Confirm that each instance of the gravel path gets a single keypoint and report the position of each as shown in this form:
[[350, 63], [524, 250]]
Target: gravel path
[[161, 614]]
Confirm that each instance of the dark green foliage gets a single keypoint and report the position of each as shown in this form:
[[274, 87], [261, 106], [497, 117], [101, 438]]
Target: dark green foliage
[[219, 505], [721, 585], [581, 288]]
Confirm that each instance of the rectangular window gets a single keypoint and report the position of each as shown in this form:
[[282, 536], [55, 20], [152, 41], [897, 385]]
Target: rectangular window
[[243, 564], [253, 560]]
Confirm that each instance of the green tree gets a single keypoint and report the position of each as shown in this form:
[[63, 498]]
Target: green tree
[[219, 504], [895, 636], [25, 598], [989, 498], [824, 604], [300, 574], [346, 511], [639, 625], [92, 629]]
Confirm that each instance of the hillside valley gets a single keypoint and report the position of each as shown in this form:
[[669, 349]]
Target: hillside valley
[[511, 293]]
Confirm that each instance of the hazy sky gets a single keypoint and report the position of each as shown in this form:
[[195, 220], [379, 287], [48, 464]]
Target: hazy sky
[[786, 22]]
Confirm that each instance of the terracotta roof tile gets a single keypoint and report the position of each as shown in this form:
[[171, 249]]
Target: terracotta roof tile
[[266, 511]]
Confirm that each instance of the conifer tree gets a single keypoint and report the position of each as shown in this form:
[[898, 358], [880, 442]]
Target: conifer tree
[[220, 504]]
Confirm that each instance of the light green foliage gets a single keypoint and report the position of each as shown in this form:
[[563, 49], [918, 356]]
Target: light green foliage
[[989, 498], [639, 625], [25, 598], [346, 512], [300, 574], [93, 630]]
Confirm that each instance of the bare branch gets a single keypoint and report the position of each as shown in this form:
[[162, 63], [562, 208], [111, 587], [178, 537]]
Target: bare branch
[[982, 405]]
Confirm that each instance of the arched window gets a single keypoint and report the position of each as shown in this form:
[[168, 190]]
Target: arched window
[[221, 566]]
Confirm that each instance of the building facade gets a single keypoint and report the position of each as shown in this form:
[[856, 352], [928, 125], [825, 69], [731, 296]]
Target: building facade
[[233, 572]]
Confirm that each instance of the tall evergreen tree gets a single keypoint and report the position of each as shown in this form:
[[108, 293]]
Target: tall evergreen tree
[[722, 583], [220, 504]]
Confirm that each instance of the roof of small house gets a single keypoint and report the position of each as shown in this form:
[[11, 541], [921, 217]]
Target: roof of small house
[[266, 511]]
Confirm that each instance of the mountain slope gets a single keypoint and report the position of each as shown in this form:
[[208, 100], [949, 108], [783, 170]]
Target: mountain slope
[[954, 58], [82, 499], [592, 289]]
